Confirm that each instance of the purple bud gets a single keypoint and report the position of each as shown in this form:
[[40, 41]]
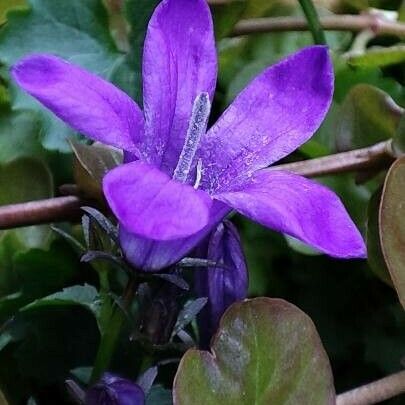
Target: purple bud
[[222, 285], [114, 390]]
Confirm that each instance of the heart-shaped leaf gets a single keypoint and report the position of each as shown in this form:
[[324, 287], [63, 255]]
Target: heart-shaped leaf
[[266, 351], [392, 225]]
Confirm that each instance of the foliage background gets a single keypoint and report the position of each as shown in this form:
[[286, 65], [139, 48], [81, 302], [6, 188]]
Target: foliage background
[[358, 316]]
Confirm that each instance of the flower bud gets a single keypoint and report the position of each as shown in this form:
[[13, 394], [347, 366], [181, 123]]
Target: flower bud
[[114, 390], [222, 285]]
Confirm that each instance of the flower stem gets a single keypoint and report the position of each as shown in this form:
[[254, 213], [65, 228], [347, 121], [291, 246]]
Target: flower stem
[[313, 21], [342, 22], [374, 392], [112, 323]]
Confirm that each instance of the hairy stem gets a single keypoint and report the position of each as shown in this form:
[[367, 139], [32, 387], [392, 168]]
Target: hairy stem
[[67, 208], [374, 392], [342, 22]]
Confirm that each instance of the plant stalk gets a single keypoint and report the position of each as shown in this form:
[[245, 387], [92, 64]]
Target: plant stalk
[[375, 392], [341, 22], [313, 21]]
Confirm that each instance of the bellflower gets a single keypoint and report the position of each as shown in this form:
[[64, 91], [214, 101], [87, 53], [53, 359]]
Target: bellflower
[[221, 285], [114, 390], [179, 180]]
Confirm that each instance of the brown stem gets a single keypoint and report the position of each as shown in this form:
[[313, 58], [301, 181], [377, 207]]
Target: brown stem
[[374, 392], [68, 208], [40, 212], [342, 22], [373, 157]]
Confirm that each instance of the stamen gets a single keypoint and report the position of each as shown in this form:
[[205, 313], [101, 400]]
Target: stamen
[[198, 174], [196, 128]]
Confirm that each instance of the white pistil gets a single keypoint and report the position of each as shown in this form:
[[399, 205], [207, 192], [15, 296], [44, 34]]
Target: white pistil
[[198, 174], [197, 127]]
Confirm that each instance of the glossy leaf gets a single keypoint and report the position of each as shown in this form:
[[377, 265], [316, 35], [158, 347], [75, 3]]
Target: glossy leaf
[[392, 225], [265, 351], [367, 116]]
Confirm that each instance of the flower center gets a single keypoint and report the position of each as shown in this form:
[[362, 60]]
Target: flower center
[[196, 128]]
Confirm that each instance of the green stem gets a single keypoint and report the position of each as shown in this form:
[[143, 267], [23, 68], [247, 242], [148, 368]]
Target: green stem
[[313, 21], [112, 320], [108, 341]]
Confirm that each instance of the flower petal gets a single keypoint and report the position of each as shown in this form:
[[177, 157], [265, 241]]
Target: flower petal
[[274, 115], [299, 207], [179, 63], [84, 101], [151, 255], [150, 204]]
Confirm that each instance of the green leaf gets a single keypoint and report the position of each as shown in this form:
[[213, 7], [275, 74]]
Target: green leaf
[[19, 135], [226, 15], [367, 116], [265, 351], [27, 179], [91, 164], [5, 6], [392, 225], [378, 57], [159, 396], [24, 179], [37, 272], [76, 30], [375, 257], [83, 295]]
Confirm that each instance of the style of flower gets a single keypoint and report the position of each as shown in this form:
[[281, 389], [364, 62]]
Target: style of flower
[[112, 389], [222, 285], [179, 180]]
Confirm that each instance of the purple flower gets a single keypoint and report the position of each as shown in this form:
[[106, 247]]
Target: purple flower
[[180, 181], [113, 390], [221, 285]]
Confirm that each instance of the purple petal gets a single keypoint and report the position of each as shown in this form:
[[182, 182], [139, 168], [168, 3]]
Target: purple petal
[[115, 390], [150, 255], [222, 286], [299, 207], [274, 115], [150, 204], [179, 63], [84, 101]]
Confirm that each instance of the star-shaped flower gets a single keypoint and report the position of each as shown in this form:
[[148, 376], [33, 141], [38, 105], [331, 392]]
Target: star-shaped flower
[[179, 180]]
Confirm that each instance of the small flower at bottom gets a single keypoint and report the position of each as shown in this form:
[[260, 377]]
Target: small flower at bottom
[[114, 390]]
